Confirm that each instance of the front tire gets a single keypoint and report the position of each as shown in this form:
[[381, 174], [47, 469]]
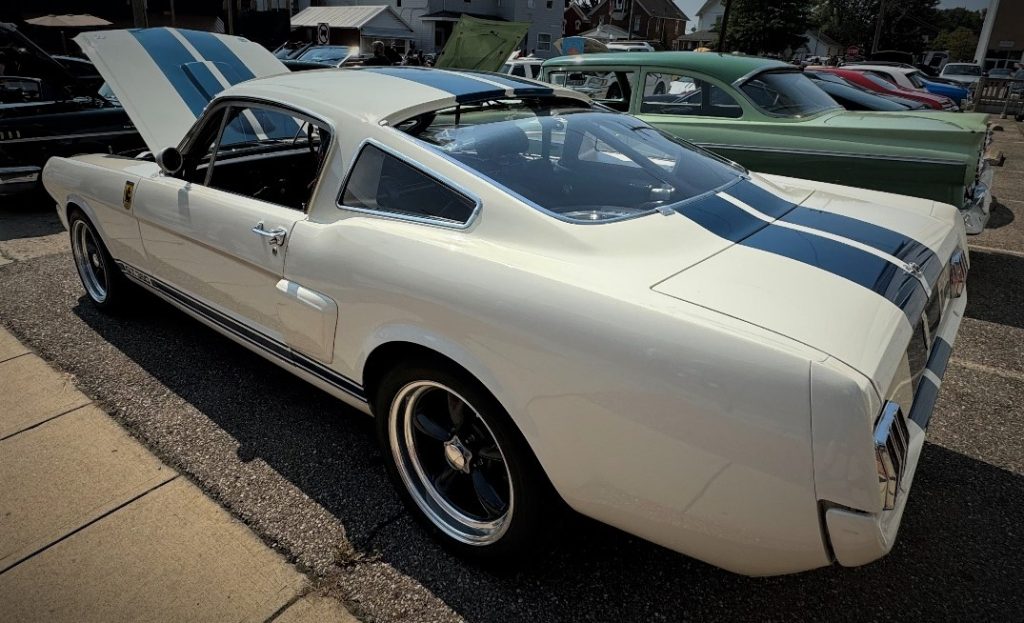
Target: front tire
[[461, 466], [104, 284]]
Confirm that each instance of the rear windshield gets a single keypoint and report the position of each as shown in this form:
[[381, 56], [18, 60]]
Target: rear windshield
[[963, 70], [787, 94], [565, 158]]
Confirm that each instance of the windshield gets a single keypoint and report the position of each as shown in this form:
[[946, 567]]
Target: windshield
[[787, 93], [332, 55], [915, 79], [567, 159], [963, 70], [108, 94], [879, 81]]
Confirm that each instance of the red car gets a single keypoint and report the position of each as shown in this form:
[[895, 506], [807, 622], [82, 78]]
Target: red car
[[872, 82]]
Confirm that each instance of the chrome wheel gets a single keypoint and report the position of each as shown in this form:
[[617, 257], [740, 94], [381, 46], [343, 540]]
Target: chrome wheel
[[89, 260], [450, 462]]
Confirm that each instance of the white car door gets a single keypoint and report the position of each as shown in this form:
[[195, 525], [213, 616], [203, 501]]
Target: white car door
[[216, 236]]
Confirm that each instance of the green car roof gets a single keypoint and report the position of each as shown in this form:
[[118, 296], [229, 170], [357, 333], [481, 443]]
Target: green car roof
[[725, 67]]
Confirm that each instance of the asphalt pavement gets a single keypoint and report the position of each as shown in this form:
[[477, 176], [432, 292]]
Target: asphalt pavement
[[304, 471]]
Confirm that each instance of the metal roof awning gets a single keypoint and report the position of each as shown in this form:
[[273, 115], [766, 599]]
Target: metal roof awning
[[453, 16], [373, 21], [69, 21]]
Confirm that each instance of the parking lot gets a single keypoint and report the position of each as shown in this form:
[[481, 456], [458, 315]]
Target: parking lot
[[304, 471]]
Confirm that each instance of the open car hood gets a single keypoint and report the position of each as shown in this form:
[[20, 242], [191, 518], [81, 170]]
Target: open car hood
[[22, 57], [481, 44], [165, 77]]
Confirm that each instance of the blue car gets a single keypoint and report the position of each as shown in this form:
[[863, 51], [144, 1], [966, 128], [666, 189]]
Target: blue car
[[956, 93]]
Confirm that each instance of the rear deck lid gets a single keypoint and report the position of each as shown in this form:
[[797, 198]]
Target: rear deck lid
[[848, 277], [165, 77]]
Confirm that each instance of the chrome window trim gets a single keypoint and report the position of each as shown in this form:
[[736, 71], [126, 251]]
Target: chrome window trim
[[422, 168], [557, 216], [296, 111], [818, 152]]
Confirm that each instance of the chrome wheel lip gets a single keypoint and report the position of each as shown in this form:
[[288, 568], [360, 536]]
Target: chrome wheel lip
[[85, 262], [445, 516]]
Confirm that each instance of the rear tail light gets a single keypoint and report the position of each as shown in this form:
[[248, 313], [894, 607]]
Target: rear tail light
[[958, 273], [892, 439]]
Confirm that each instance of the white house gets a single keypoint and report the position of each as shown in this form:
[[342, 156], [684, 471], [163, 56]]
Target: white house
[[816, 44], [432, 20], [709, 14]]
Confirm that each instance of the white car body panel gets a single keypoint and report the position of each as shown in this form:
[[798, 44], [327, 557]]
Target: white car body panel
[[665, 375]]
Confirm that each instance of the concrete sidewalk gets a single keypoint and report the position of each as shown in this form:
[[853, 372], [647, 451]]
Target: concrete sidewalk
[[93, 527]]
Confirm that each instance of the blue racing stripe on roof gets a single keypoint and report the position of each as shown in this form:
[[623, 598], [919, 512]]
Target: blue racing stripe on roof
[[170, 55], [464, 88], [213, 49], [886, 240], [519, 86]]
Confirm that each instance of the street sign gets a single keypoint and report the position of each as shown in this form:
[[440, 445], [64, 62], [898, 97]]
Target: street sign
[[853, 51], [323, 33]]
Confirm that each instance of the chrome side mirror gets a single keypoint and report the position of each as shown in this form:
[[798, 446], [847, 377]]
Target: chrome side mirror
[[169, 159]]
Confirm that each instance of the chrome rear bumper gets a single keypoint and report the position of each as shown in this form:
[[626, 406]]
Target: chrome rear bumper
[[858, 538]]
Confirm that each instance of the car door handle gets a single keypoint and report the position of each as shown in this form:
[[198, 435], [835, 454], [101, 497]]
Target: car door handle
[[275, 237]]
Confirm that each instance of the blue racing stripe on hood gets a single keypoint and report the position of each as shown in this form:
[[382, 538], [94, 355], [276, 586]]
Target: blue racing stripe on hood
[[878, 237], [213, 49], [464, 88], [170, 56]]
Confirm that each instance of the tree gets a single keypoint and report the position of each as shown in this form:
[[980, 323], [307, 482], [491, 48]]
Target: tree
[[906, 24], [961, 44], [951, 19], [767, 26]]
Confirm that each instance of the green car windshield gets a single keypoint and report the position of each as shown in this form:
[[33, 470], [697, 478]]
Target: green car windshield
[[787, 94]]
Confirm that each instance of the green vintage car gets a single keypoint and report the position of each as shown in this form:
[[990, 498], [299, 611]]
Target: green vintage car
[[769, 117]]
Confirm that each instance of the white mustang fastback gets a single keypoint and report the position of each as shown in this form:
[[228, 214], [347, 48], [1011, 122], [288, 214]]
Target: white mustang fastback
[[543, 303]]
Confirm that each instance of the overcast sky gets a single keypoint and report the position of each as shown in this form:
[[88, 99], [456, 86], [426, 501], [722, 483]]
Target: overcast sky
[[690, 7]]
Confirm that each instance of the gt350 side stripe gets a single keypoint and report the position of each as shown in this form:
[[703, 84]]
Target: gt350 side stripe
[[254, 337]]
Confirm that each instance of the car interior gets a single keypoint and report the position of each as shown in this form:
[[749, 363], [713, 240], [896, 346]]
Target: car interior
[[264, 154]]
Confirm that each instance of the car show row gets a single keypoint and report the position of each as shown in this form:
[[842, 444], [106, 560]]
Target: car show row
[[689, 295]]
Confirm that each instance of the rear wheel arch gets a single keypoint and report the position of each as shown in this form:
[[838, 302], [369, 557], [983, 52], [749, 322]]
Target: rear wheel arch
[[397, 353]]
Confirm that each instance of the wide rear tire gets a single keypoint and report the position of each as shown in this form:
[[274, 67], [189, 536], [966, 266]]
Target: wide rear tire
[[461, 466]]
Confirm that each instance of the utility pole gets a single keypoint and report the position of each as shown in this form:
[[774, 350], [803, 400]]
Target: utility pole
[[723, 27], [139, 17], [629, 22], [231, 17], [878, 28]]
